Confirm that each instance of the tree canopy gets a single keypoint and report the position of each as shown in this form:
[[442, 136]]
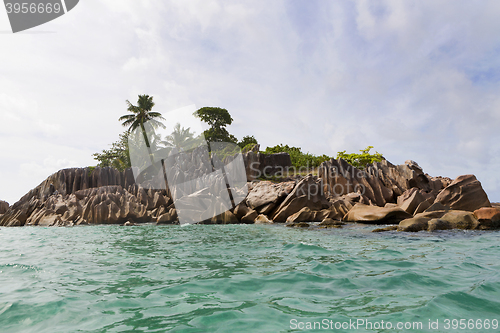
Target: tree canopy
[[140, 114], [217, 118], [247, 140], [118, 155]]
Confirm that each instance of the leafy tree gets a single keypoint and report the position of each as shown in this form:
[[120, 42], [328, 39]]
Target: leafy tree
[[117, 156], [217, 119], [360, 161], [249, 139]]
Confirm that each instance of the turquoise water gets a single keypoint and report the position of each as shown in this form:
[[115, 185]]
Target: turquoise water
[[243, 278]]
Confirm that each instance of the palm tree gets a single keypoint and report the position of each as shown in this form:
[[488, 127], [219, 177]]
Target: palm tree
[[140, 114], [180, 138]]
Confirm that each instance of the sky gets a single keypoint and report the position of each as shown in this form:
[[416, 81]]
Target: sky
[[417, 80]]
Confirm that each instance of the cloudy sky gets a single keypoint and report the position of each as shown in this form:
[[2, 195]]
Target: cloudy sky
[[416, 79]]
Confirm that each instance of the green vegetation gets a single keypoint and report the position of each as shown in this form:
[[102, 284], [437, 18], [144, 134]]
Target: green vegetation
[[90, 170], [360, 161], [247, 140], [117, 156], [299, 159], [218, 119]]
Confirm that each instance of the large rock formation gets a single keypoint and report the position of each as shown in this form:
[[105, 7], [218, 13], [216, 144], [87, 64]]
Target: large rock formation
[[380, 194], [453, 219], [264, 196], [464, 193], [86, 195], [380, 182], [307, 193], [376, 215], [264, 165], [488, 217]]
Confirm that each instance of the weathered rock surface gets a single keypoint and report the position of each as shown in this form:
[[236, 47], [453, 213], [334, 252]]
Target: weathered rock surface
[[381, 182], [274, 164], [331, 223], [262, 219], [460, 219], [258, 164], [307, 193], [453, 219], [411, 199], [298, 225], [414, 224], [265, 195], [381, 194], [488, 217], [464, 193], [168, 218], [225, 218], [439, 224], [376, 215], [388, 228], [250, 217], [86, 196], [308, 215], [4, 206]]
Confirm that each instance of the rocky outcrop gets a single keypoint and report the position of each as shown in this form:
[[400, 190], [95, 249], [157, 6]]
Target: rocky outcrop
[[453, 219], [87, 196], [308, 215], [103, 205], [414, 224], [252, 163], [376, 215], [4, 206], [464, 193], [264, 165], [262, 219], [274, 164], [411, 199], [265, 195], [380, 182], [488, 217], [307, 193], [380, 194], [331, 223]]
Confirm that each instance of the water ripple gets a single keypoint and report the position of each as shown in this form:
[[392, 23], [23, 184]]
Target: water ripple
[[239, 278]]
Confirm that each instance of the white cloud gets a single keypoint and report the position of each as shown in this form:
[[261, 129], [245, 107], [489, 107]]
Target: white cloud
[[417, 80]]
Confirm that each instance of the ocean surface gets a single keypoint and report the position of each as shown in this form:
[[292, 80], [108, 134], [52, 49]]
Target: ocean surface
[[247, 278]]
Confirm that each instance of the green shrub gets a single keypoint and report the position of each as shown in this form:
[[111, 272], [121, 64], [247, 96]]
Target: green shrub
[[360, 161], [299, 159], [247, 140], [90, 170]]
